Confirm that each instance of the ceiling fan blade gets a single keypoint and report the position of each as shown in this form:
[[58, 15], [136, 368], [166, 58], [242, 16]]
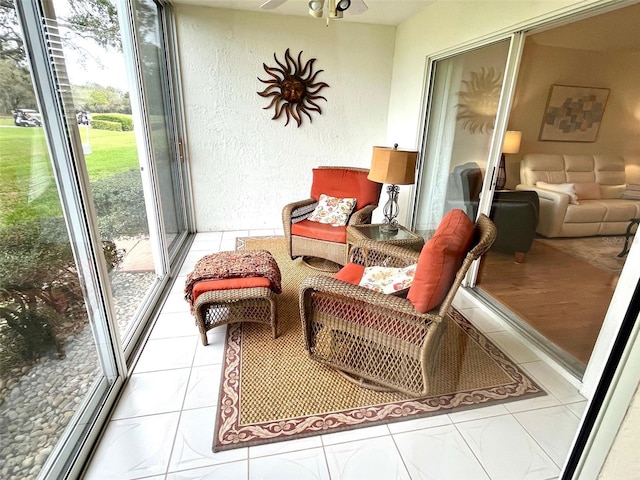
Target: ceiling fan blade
[[271, 4], [357, 7]]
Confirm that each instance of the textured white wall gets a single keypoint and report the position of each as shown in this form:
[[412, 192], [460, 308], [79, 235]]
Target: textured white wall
[[245, 166]]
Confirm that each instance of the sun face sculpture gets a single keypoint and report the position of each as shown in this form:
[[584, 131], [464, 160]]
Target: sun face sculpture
[[479, 103], [293, 88]]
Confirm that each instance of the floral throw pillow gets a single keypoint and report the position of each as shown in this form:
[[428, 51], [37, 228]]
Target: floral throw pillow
[[388, 279], [332, 210]]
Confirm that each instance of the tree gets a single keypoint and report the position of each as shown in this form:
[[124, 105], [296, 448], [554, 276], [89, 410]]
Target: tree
[[11, 45], [15, 87], [98, 100]]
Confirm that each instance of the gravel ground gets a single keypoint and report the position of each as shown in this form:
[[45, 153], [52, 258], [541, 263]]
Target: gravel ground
[[37, 401]]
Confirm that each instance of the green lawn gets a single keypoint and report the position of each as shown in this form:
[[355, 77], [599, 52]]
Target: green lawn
[[26, 182]]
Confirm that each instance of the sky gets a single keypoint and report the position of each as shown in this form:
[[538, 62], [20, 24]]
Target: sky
[[109, 71], [112, 72]]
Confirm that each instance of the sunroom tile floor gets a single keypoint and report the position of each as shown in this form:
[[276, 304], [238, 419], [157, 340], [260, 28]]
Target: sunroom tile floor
[[162, 427]]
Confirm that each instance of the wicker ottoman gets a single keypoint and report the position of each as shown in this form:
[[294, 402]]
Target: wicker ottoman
[[219, 307], [228, 287]]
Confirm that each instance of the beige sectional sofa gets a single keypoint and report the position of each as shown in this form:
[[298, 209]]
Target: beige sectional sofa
[[598, 206]]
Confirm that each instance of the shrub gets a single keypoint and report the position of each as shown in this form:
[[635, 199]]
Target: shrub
[[104, 125], [125, 120], [40, 295], [120, 206], [39, 291]]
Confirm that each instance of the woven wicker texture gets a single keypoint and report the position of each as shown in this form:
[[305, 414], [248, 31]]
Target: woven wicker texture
[[271, 390], [379, 337], [219, 307]]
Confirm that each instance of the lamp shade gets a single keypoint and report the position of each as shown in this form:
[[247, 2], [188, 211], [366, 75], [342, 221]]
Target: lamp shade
[[511, 143], [392, 166]]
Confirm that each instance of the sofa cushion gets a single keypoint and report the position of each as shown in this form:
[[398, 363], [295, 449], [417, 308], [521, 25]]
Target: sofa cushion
[[568, 188], [320, 231], [620, 210], [589, 211], [440, 259], [588, 191]]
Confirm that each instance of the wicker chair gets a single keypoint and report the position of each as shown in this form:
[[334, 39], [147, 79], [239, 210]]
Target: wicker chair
[[306, 238], [375, 337]]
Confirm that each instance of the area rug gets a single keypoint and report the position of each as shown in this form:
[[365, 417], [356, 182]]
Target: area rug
[[272, 391], [601, 252]]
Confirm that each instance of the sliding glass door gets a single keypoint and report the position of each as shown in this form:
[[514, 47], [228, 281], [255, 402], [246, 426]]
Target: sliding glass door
[[151, 27], [464, 99]]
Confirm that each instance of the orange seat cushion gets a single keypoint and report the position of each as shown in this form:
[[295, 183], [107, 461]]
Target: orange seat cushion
[[319, 231], [228, 284], [342, 183], [350, 273], [440, 259]]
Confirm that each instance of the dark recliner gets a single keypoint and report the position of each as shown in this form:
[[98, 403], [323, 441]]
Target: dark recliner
[[515, 213]]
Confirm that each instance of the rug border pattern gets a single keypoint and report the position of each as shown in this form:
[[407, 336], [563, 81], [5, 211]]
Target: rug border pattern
[[229, 433]]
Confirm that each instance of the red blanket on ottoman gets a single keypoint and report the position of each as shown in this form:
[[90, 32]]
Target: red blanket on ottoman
[[225, 265]]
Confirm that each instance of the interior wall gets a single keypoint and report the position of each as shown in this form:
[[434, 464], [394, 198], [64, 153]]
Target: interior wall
[[245, 166], [543, 66], [425, 35]]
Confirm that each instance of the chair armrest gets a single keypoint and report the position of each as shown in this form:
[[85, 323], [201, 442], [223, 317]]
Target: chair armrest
[[362, 216], [386, 314]]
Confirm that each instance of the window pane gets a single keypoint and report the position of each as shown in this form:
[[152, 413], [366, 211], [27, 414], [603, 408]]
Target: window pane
[[49, 364], [465, 96], [96, 68], [155, 82]]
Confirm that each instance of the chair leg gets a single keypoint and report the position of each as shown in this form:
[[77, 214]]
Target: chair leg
[[519, 257]]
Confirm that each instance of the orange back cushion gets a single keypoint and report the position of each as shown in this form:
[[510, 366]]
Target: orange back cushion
[[440, 259], [343, 183]]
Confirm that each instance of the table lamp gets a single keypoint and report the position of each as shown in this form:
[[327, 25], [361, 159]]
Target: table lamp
[[511, 144], [394, 167]]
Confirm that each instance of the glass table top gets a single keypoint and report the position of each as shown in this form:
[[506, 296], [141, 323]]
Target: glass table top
[[373, 232]]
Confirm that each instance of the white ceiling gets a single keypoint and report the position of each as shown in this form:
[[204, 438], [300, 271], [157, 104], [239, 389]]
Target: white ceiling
[[384, 12]]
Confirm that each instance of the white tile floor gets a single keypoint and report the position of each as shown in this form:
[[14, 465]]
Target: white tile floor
[[163, 425]]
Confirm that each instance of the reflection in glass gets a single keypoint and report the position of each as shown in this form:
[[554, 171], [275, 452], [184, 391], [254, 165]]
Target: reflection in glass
[[464, 103]]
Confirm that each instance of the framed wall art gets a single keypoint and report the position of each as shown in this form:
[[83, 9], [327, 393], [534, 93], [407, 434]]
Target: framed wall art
[[573, 114]]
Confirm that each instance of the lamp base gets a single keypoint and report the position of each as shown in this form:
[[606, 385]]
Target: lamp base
[[389, 228], [501, 178]]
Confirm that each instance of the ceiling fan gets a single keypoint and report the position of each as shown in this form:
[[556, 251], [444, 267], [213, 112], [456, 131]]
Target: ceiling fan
[[331, 9]]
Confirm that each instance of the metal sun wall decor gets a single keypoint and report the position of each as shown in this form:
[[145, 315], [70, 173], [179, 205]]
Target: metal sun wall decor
[[479, 102], [293, 88]]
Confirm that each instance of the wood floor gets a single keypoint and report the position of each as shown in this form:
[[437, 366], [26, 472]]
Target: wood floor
[[562, 297]]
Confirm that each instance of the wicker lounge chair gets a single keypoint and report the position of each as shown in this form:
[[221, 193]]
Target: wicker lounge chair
[[375, 337], [306, 238]]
